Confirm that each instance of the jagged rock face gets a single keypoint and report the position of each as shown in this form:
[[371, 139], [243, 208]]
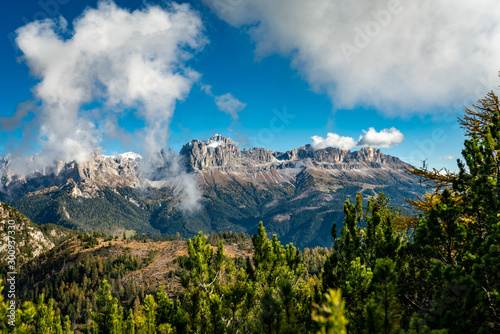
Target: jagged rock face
[[99, 172], [112, 172], [29, 235], [218, 151], [302, 153], [336, 155], [258, 155], [221, 153]]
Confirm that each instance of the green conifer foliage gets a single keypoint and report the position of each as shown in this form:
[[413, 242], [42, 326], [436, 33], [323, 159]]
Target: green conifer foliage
[[109, 316], [365, 238], [382, 313], [330, 315]]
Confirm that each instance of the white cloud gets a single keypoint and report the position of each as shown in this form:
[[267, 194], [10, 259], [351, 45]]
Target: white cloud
[[207, 89], [447, 158], [397, 56], [115, 57], [226, 103], [118, 60], [384, 139], [334, 140], [230, 105]]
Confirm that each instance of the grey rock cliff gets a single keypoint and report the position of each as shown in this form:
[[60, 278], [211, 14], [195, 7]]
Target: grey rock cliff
[[222, 153]]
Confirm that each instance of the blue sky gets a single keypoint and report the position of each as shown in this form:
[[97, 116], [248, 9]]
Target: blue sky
[[289, 75]]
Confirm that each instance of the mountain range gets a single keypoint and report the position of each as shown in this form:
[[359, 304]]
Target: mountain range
[[210, 185]]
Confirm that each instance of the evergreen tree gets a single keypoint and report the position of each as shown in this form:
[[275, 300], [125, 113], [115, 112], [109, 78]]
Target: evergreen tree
[[382, 313], [365, 237], [130, 323], [330, 315], [109, 315]]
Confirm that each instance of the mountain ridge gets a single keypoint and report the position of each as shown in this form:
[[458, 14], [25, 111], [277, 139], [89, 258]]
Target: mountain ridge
[[297, 193], [122, 170], [201, 154]]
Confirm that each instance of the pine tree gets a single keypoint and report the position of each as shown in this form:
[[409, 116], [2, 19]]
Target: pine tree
[[287, 301], [216, 323], [149, 312], [130, 323], [270, 312], [67, 326], [452, 273], [479, 188], [330, 315], [365, 237], [45, 316], [109, 315], [382, 314], [166, 309]]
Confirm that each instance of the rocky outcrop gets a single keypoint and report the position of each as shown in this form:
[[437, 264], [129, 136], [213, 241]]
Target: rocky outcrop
[[30, 240], [257, 155], [218, 151]]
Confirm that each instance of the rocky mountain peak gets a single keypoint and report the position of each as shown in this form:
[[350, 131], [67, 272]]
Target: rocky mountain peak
[[223, 154], [219, 140], [217, 151]]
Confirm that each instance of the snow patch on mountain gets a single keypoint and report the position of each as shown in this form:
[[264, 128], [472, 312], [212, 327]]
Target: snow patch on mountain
[[215, 144], [131, 155]]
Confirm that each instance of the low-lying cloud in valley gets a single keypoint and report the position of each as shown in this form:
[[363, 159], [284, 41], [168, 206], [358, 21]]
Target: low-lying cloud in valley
[[371, 138]]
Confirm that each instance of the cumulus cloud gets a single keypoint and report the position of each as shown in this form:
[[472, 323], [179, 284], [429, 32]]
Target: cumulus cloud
[[113, 57], [226, 103], [384, 139], [334, 140], [394, 55], [230, 105]]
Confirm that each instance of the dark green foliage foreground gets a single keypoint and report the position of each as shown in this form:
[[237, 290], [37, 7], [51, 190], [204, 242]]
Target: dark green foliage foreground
[[440, 275]]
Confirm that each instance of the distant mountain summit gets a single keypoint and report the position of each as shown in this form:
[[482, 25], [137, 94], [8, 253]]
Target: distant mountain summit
[[298, 194], [223, 153], [221, 157]]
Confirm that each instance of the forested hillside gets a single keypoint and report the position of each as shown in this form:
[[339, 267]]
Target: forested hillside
[[387, 272]]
